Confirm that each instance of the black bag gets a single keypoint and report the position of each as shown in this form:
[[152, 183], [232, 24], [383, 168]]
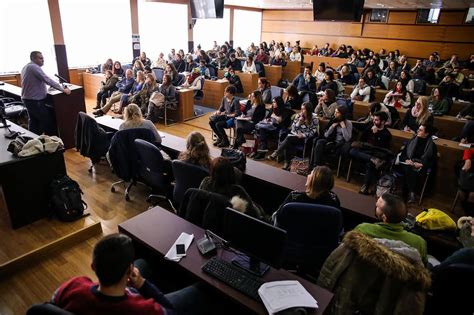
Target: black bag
[[236, 157], [386, 183], [466, 180], [66, 202]]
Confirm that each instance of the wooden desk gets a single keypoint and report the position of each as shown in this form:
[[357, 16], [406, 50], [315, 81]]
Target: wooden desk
[[333, 62], [273, 73], [66, 108], [249, 82], [92, 84], [185, 105], [291, 70], [157, 229], [25, 182], [214, 92]]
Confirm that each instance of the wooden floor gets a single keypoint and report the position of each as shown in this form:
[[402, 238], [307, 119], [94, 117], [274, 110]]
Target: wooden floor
[[37, 279]]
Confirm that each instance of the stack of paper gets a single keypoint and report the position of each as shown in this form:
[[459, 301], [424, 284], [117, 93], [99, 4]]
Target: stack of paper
[[185, 239], [281, 295]]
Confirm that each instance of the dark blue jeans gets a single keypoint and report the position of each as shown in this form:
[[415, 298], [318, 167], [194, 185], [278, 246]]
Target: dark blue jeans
[[370, 170], [42, 118]]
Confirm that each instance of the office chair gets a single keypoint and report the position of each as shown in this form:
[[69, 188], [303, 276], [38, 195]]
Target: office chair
[[123, 156], [158, 74], [199, 94], [46, 309], [91, 140], [205, 209], [313, 232], [14, 110], [186, 175], [152, 170], [448, 296]]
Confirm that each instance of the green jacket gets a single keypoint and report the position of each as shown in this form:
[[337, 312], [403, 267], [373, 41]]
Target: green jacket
[[394, 231], [369, 278]]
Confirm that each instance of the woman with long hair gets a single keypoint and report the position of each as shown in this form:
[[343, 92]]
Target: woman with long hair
[[418, 115], [136, 88], [318, 190], [197, 151], [253, 114], [292, 98], [117, 69], [265, 88], [398, 97], [438, 102], [133, 119]]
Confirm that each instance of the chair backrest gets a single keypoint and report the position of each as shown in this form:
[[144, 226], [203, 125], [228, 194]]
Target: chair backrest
[[126, 66], [151, 168], [276, 91], [46, 309], [205, 209], [313, 232], [260, 68], [186, 176], [158, 74], [91, 140], [122, 152]]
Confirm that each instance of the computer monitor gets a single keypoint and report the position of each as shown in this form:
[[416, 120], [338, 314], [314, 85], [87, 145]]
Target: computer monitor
[[262, 243], [338, 10]]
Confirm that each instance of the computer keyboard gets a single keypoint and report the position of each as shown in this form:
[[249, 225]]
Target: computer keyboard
[[234, 276]]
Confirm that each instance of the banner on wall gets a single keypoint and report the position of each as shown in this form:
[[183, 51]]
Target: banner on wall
[[136, 45]]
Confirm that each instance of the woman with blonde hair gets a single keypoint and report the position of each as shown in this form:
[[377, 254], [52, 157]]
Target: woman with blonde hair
[[134, 119], [417, 115], [319, 185], [197, 151]]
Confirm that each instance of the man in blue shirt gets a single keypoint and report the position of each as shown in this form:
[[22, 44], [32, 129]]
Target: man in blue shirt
[[33, 94]]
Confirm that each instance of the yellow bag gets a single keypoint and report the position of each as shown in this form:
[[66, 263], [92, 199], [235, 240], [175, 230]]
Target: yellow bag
[[434, 219]]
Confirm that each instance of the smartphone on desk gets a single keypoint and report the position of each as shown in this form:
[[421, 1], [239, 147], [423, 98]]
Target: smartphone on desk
[[180, 250]]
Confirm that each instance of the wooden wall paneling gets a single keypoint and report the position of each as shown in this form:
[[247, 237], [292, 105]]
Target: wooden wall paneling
[[322, 28], [291, 70], [214, 92], [14, 79], [452, 17], [273, 73], [287, 15], [401, 17]]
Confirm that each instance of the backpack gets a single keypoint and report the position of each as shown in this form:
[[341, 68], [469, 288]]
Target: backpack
[[66, 203], [237, 158], [300, 166], [386, 183]]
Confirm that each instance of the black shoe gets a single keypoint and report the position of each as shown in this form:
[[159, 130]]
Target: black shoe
[[286, 166], [259, 156], [223, 144], [97, 107], [98, 113], [364, 190]]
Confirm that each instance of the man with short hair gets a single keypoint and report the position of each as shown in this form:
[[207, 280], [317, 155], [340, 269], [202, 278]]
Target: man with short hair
[[224, 117], [305, 82], [391, 211], [122, 288], [262, 57], [41, 117], [234, 63], [372, 149], [179, 63], [124, 87]]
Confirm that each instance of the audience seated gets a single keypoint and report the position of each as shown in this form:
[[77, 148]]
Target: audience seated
[[118, 70], [146, 62], [221, 61], [172, 55], [295, 55], [467, 134], [166, 94], [338, 132], [327, 104], [292, 98], [373, 108], [160, 62], [136, 88], [249, 66], [234, 63], [373, 80], [448, 86], [438, 104], [328, 82], [418, 155], [404, 77], [305, 125], [133, 119], [122, 289], [190, 64], [108, 87], [392, 73], [171, 71], [417, 116], [320, 73], [194, 80], [124, 87], [204, 69], [431, 62], [262, 57], [372, 148], [305, 82], [234, 80], [404, 65], [319, 185], [137, 66], [142, 97], [254, 113], [361, 91], [278, 60], [107, 65], [398, 97], [197, 151], [265, 88], [224, 117], [346, 76], [222, 180], [179, 63]]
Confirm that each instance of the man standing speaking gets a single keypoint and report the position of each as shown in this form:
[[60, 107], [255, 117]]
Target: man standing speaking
[[33, 94]]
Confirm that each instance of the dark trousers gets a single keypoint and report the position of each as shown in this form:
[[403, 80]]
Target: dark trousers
[[102, 97], [218, 125], [241, 128], [264, 134], [41, 117], [287, 147], [370, 170], [322, 146], [411, 177]]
